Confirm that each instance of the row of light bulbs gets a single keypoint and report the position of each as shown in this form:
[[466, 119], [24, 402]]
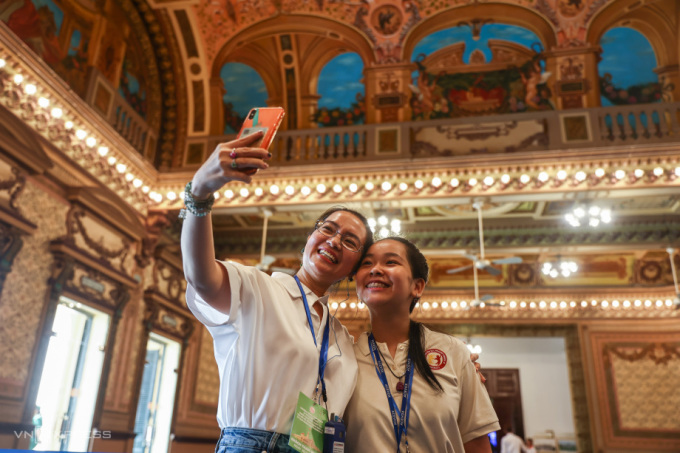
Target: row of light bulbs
[[435, 184], [562, 305], [92, 142]]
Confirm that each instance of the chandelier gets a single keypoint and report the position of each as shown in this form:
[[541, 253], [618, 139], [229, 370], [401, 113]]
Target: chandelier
[[592, 216], [385, 226], [559, 268]]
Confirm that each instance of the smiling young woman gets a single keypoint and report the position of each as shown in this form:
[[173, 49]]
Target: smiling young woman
[[417, 389], [261, 324]]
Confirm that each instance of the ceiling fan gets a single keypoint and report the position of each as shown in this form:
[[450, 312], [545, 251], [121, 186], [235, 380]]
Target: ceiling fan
[[266, 261], [479, 262]]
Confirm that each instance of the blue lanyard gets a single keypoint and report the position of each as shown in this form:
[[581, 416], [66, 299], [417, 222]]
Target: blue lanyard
[[401, 425], [323, 355]]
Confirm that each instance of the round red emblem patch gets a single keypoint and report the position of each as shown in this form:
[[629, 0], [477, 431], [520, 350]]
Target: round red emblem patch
[[435, 358]]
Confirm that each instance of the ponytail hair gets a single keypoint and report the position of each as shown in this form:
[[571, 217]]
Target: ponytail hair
[[416, 333], [416, 340]]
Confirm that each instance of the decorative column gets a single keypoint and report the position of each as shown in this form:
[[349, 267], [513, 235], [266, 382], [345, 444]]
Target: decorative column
[[387, 93], [576, 77], [669, 78]]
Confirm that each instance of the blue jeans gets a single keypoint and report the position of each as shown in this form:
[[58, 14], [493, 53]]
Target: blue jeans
[[245, 440]]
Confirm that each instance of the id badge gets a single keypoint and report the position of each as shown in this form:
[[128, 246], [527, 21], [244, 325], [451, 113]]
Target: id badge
[[307, 433], [334, 435]]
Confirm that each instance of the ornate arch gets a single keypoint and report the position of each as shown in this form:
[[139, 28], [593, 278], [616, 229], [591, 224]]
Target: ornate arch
[[317, 41], [650, 20], [514, 15]]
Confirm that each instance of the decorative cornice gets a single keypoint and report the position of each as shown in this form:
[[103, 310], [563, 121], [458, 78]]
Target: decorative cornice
[[410, 181]]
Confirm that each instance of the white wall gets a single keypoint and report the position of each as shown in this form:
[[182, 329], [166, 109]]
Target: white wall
[[543, 378]]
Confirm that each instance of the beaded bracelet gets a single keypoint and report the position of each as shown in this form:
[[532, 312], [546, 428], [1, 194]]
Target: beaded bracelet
[[199, 208]]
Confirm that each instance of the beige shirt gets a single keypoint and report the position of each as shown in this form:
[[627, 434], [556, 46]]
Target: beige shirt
[[265, 352], [438, 422]]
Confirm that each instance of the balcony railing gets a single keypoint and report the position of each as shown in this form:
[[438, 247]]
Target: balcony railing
[[125, 120], [601, 127]]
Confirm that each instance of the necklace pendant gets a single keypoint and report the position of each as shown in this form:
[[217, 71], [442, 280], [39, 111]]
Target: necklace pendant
[[400, 386]]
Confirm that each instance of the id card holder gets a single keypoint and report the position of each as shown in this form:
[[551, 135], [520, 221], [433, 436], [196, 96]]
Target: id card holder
[[334, 435], [307, 433]]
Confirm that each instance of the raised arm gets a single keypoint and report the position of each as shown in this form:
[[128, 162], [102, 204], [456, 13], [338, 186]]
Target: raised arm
[[231, 161]]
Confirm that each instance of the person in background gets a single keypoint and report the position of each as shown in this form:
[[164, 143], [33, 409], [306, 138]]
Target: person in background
[[417, 390], [261, 325], [530, 446], [511, 442]]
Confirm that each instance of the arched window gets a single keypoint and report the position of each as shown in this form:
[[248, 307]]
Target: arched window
[[342, 92], [458, 74], [627, 69], [243, 90]]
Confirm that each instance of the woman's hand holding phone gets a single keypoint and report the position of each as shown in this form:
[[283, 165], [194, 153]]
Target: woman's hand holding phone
[[231, 161]]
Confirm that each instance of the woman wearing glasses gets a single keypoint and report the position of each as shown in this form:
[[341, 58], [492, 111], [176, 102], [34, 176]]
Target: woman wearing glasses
[[273, 335]]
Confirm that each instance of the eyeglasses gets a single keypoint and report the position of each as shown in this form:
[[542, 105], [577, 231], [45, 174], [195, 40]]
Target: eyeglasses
[[329, 230]]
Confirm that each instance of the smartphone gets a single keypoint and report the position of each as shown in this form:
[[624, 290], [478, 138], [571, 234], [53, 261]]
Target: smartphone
[[266, 119]]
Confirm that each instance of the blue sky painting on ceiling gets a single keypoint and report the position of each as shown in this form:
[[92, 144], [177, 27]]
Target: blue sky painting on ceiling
[[515, 86], [442, 38], [243, 90], [342, 92], [626, 69]]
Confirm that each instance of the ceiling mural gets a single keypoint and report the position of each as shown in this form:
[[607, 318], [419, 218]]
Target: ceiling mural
[[385, 24], [627, 69], [243, 89], [342, 92]]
